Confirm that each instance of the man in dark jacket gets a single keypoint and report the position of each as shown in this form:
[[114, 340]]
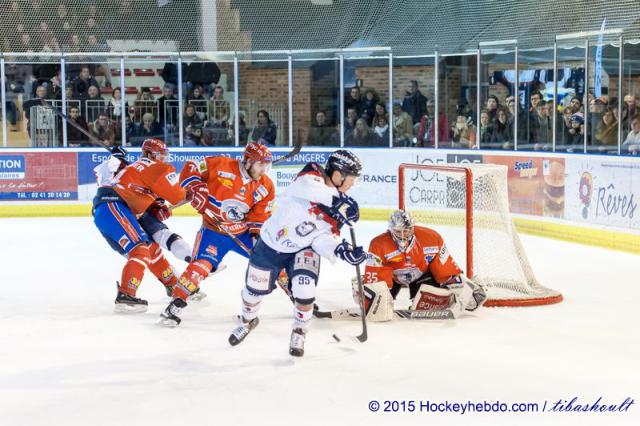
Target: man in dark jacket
[[414, 102], [82, 82], [320, 133], [74, 136]]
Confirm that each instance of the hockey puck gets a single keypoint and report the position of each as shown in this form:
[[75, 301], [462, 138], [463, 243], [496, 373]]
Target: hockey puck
[[336, 337]]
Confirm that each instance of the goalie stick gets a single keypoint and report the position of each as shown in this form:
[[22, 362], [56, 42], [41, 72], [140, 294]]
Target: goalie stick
[[409, 314]]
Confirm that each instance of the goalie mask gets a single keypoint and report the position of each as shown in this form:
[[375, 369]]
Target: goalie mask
[[401, 226]]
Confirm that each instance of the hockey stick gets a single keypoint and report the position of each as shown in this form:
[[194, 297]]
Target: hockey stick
[[92, 138], [409, 314], [363, 316], [294, 152], [242, 246]]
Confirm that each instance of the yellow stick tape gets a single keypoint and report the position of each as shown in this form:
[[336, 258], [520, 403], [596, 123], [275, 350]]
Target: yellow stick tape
[[589, 236]]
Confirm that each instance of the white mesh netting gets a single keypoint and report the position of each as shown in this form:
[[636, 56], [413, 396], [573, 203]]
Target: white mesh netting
[[437, 195]]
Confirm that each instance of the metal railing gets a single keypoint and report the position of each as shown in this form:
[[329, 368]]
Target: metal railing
[[230, 121]]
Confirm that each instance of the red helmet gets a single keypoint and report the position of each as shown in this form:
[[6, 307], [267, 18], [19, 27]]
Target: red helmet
[[155, 149], [256, 151]]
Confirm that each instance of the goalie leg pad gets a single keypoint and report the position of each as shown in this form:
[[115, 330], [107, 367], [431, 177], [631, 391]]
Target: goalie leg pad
[[378, 302]]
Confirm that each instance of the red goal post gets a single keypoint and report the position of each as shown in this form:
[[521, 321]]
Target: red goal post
[[495, 256]]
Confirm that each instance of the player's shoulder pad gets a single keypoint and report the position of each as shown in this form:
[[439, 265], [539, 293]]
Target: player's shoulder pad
[[427, 235], [313, 169]]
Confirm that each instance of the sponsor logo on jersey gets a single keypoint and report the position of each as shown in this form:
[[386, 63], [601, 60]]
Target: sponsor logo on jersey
[[305, 228], [167, 273], [260, 193], [212, 250], [172, 179], [226, 182], [281, 233], [430, 250], [392, 255], [444, 254], [202, 166], [243, 190], [226, 175], [373, 260], [234, 210]]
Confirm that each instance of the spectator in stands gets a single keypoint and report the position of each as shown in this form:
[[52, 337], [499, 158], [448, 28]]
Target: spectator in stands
[[243, 129], [354, 100], [144, 103], [427, 129], [486, 128], [414, 102], [82, 82], [607, 129], [361, 135], [93, 103], [576, 104], [320, 133], [463, 108], [381, 131], [563, 136], [576, 132], [541, 131], [10, 104], [492, 107], [369, 105], [75, 137], [381, 111], [150, 129], [502, 135], [596, 110], [632, 111], [196, 94], [264, 128], [402, 127], [192, 126], [219, 108], [350, 122], [41, 93], [102, 129], [625, 115], [632, 142], [463, 132], [168, 107], [115, 104]]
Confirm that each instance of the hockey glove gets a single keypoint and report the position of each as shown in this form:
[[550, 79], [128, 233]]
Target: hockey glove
[[199, 196], [350, 254], [160, 210], [344, 209]]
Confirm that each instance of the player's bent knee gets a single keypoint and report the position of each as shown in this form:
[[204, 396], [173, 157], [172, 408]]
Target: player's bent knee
[[259, 280], [303, 289]]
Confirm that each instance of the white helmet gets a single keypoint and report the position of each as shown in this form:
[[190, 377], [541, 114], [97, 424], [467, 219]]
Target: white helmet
[[401, 227]]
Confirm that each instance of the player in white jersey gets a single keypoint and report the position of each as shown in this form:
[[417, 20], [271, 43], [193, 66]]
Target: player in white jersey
[[305, 226]]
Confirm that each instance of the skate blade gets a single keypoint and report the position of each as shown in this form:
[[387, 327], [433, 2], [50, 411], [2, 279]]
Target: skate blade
[[123, 308], [197, 296], [167, 322]]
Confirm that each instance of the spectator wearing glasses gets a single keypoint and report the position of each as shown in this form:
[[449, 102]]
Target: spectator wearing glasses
[[101, 129]]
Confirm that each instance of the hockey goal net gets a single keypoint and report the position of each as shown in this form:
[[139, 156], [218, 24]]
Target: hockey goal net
[[474, 199]]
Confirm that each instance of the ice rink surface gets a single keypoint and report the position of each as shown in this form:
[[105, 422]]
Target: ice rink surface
[[66, 358]]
